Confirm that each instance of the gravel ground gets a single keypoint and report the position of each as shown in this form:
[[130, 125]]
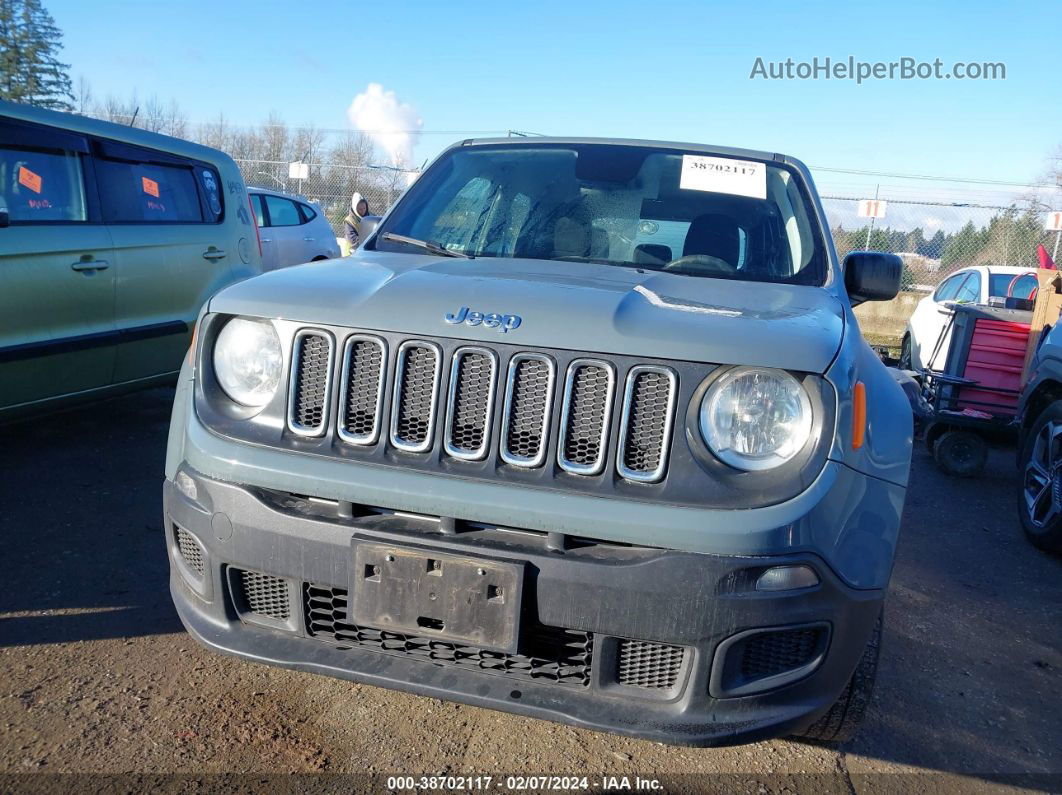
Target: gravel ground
[[97, 675]]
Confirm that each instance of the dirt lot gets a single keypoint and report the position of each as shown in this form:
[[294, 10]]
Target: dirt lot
[[97, 676]]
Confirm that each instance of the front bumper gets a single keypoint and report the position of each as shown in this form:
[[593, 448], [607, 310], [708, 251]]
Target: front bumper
[[605, 593]]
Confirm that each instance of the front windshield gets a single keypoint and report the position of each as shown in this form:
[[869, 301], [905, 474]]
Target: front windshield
[[628, 206]]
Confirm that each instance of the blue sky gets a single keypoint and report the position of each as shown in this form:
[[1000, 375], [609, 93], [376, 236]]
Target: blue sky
[[670, 70]]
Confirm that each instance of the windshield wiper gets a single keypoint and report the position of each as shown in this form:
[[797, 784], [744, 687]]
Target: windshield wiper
[[432, 248]]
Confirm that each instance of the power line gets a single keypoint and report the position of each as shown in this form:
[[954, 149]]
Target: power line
[[522, 133], [930, 177]]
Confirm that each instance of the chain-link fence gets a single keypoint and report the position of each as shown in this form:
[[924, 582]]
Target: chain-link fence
[[331, 186], [937, 238]]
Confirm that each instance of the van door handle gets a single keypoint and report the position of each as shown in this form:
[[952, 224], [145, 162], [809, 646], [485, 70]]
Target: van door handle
[[90, 265], [310, 239], [267, 240], [213, 254]]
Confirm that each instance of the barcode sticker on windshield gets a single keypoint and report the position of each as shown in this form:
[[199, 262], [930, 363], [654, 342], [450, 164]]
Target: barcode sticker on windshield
[[724, 175]]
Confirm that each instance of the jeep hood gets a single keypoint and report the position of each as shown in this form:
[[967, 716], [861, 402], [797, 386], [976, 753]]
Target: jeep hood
[[581, 306]]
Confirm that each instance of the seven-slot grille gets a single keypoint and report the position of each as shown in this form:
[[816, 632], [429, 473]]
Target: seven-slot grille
[[311, 380], [528, 400], [414, 404], [585, 414], [469, 407], [362, 390], [645, 427]]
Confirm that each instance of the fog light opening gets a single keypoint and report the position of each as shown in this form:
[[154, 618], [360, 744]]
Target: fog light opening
[[787, 578], [186, 486]]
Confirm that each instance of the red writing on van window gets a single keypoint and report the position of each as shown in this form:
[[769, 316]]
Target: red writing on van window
[[29, 179], [151, 188]]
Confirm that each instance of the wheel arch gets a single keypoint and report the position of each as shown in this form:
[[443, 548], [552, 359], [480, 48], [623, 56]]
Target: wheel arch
[[1046, 392]]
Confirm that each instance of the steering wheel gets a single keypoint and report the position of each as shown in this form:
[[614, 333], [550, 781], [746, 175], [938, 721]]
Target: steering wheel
[[704, 262]]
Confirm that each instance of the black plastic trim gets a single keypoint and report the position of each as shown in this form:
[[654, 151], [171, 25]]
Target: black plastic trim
[[98, 339]]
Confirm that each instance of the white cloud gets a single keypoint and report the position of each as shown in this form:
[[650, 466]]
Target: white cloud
[[393, 124]]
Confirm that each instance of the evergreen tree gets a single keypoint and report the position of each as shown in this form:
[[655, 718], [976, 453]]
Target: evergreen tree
[[30, 70]]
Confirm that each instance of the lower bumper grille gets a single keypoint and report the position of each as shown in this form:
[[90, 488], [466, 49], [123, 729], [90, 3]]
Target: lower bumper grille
[[655, 666], [552, 655], [264, 595], [773, 653], [190, 550]]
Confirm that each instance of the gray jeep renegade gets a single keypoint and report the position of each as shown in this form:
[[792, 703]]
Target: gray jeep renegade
[[585, 430]]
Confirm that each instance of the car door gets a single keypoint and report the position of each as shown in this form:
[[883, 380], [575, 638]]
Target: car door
[[928, 320], [962, 287], [57, 274], [286, 231], [317, 234], [170, 252], [270, 252]]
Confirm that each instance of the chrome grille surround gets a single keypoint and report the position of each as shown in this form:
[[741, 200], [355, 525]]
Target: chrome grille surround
[[470, 407], [364, 401], [586, 411], [519, 418], [297, 386], [403, 401], [637, 413]]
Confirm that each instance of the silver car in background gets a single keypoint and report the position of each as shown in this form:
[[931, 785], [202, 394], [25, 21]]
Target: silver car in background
[[292, 230]]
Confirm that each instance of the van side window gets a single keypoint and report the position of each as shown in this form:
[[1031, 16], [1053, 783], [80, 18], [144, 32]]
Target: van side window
[[210, 183], [41, 185], [147, 192]]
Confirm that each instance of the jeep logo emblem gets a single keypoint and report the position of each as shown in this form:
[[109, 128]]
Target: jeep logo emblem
[[504, 323]]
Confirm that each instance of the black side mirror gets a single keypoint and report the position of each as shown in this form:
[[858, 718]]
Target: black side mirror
[[872, 276], [368, 226]]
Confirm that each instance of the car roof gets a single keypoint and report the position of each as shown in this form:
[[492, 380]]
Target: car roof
[[724, 151], [1001, 269], [275, 192], [123, 133], [1010, 268]]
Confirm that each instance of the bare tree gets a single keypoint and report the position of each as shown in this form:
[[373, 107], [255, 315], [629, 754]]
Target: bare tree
[[152, 116], [83, 101]]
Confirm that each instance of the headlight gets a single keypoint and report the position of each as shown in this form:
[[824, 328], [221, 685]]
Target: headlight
[[248, 361], [754, 418]]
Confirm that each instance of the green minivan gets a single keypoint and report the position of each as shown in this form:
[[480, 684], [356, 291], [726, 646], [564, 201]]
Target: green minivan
[[111, 240]]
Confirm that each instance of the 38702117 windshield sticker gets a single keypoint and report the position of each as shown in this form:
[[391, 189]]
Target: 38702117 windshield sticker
[[724, 175]]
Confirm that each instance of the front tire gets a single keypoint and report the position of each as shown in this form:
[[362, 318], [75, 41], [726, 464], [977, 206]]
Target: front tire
[[841, 723], [1040, 485]]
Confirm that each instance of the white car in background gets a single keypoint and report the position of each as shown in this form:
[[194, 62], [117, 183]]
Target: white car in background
[[292, 229], [931, 318]]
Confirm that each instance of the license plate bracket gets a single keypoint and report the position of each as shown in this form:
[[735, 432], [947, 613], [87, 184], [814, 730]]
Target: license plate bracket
[[470, 600]]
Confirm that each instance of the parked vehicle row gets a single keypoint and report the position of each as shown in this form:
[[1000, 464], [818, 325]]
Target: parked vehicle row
[[292, 230], [927, 336], [111, 240]]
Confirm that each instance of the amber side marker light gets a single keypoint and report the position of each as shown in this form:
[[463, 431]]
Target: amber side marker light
[[859, 414]]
